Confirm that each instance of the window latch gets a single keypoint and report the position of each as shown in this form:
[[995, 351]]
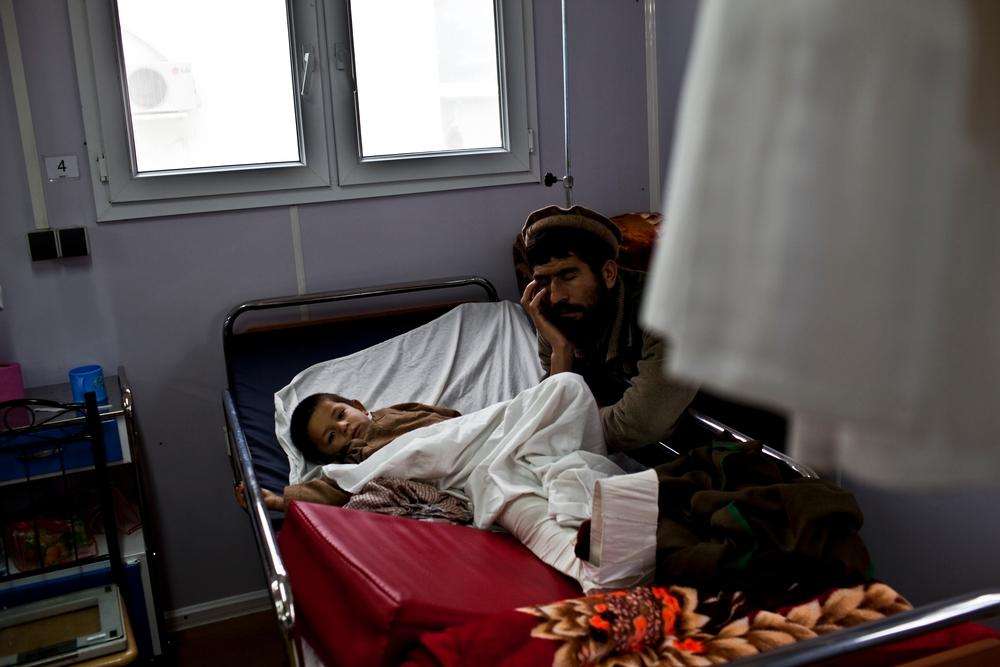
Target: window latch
[[306, 64], [340, 56], [342, 62]]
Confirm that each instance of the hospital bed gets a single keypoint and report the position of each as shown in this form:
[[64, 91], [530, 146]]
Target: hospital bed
[[349, 558]]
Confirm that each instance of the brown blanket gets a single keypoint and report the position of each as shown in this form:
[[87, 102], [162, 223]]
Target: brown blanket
[[731, 518], [410, 498]]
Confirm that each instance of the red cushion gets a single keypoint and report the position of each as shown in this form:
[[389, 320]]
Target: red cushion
[[366, 585]]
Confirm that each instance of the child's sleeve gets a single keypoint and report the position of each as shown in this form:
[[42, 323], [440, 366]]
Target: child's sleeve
[[321, 491]]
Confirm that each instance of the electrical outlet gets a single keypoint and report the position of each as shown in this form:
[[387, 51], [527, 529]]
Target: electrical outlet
[[42, 245], [73, 242]]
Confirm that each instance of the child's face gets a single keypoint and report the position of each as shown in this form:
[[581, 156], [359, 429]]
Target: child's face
[[335, 424]]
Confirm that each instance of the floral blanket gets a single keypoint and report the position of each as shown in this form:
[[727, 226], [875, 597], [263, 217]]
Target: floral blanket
[[643, 626], [674, 626]]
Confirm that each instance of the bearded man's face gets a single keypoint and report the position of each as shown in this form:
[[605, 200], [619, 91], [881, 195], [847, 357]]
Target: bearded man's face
[[578, 298]]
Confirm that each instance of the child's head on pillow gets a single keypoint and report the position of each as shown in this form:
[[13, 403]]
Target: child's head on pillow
[[322, 425]]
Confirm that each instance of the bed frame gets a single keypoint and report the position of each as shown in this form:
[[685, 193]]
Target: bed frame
[[265, 524]]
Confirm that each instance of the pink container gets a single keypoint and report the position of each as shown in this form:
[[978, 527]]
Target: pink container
[[11, 383], [11, 387]]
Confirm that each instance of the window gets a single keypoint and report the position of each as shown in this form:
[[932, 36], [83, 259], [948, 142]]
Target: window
[[195, 94], [194, 106], [428, 80]]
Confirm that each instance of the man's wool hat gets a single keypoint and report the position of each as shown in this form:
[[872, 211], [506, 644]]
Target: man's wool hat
[[577, 217]]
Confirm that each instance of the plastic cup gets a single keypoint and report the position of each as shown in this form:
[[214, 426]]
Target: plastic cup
[[88, 378]]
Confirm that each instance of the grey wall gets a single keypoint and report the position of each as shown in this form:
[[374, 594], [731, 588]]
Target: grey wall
[[935, 544], [153, 294]]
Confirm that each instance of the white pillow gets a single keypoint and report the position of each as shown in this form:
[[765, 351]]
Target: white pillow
[[475, 355]]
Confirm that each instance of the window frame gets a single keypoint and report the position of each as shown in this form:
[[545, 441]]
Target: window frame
[[108, 118], [333, 170], [514, 159], [501, 82], [297, 74]]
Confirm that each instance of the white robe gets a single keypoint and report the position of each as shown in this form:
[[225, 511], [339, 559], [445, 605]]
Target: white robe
[[832, 233]]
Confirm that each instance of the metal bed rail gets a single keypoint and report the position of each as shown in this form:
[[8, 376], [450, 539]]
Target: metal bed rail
[[969, 607], [278, 585], [152, 534], [722, 429], [317, 298]]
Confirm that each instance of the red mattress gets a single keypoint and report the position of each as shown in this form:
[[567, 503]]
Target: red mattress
[[366, 585]]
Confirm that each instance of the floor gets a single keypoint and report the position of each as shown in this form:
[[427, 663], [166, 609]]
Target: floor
[[248, 640]]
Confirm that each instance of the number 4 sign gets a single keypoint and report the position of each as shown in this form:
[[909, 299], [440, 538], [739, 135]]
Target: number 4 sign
[[62, 168]]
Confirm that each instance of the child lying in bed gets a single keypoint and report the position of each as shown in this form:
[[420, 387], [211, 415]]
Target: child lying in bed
[[529, 465], [328, 428]]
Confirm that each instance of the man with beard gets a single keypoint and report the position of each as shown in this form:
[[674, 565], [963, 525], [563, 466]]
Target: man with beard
[[586, 309]]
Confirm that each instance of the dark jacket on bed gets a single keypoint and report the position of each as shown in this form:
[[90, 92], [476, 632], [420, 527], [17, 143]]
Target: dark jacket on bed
[[387, 425], [639, 404], [733, 518]]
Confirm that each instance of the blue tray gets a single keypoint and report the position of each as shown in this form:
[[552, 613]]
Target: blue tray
[[28, 456]]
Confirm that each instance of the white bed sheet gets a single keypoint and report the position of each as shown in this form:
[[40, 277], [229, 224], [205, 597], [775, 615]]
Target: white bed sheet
[[473, 356]]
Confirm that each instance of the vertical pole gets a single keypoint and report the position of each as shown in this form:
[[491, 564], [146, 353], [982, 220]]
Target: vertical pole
[[22, 106], [568, 178], [652, 107]]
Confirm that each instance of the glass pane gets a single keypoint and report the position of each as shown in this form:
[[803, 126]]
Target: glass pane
[[209, 83], [427, 76]]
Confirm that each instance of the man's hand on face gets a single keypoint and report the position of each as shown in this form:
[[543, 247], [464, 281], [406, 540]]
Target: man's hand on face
[[562, 350]]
